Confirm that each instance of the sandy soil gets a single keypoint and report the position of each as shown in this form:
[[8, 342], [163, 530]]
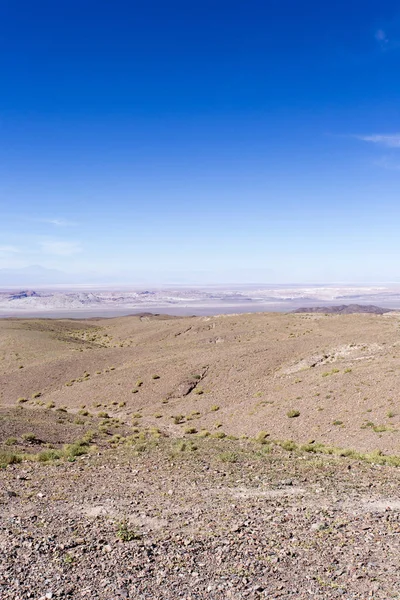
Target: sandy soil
[[150, 457], [340, 373]]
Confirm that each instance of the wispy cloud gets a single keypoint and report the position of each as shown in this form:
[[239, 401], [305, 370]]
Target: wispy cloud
[[389, 161], [54, 221], [7, 250], [388, 140], [381, 36], [385, 42], [60, 247], [386, 162]]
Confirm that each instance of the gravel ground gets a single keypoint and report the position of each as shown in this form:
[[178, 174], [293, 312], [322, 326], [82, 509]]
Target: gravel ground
[[230, 519]]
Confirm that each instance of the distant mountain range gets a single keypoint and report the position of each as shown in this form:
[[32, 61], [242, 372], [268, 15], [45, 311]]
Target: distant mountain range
[[65, 299], [344, 309]]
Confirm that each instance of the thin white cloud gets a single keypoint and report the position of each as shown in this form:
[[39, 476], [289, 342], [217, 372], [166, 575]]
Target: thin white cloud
[[388, 140], [386, 162], [60, 247], [385, 42], [381, 36], [54, 221], [4, 250]]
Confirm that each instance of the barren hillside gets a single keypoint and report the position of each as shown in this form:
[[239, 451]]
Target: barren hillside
[[244, 457], [237, 374]]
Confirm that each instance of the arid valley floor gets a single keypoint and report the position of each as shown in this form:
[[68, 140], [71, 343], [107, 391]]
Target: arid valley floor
[[241, 456]]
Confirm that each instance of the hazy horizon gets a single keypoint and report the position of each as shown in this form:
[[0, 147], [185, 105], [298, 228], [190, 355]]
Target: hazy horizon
[[66, 301], [38, 277]]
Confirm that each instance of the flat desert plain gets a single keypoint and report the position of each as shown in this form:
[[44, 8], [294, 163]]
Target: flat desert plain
[[240, 456]]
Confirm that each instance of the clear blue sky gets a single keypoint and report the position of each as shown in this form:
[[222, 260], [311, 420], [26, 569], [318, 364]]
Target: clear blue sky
[[201, 141]]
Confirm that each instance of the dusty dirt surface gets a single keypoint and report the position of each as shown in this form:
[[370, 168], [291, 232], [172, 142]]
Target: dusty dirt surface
[[238, 374], [150, 457], [230, 519]]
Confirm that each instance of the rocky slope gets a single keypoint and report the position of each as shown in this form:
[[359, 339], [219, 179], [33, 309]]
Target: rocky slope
[[245, 456], [226, 520]]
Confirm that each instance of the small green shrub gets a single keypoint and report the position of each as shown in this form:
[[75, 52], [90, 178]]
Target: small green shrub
[[87, 438], [190, 430], [178, 419], [292, 414], [327, 373], [229, 457], [288, 445], [11, 441], [48, 455], [261, 437], [203, 433], [184, 446], [28, 437], [76, 449], [9, 458], [381, 428], [125, 534]]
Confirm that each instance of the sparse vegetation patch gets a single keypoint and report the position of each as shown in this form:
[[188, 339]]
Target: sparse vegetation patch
[[292, 414]]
